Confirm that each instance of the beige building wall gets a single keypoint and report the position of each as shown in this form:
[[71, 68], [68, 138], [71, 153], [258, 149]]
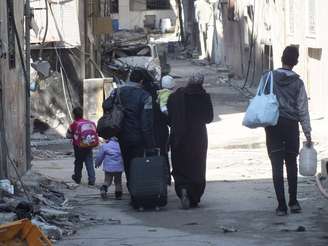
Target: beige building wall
[[129, 19], [306, 27]]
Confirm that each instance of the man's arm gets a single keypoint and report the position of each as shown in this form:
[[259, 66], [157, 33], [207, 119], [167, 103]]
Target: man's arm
[[303, 113]]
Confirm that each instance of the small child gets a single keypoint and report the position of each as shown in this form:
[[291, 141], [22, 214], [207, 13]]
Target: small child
[[168, 85], [109, 155], [84, 138]]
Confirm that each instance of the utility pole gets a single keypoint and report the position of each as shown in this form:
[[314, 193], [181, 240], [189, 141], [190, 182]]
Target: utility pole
[[180, 16], [27, 93], [3, 155], [3, 158]]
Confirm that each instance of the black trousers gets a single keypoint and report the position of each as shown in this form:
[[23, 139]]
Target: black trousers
[[129, 153], [278, 159], [283, 147]]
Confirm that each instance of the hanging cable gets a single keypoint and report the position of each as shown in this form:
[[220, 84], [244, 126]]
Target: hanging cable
[[65, 96], [46, 29], [65, 73], [251, 49]]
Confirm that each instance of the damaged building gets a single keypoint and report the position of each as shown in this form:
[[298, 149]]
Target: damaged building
[[14, 96]]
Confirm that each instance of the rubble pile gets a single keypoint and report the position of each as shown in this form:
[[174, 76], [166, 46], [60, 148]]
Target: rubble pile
[[125, 37], [39, 154], [45, 205]]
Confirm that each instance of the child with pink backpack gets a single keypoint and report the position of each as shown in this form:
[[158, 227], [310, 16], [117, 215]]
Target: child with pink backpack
[[84, 135]]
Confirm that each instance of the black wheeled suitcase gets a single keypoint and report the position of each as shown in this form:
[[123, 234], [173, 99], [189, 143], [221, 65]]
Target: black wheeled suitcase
[[148, 182]]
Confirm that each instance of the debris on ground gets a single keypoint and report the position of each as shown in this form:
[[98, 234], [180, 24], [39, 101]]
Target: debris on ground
[[52, 232], [6, 186], [40, 154], [46, 206], [228, 229], [298, 229]]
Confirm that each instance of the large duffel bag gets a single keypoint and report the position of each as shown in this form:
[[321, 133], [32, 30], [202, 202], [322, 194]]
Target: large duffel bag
[[148, 181]]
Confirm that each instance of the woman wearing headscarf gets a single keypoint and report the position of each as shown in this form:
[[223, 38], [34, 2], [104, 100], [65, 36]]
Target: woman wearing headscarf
[[189, 110]]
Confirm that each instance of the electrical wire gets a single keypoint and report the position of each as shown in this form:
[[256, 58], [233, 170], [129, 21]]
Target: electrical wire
[[251, 49], [63, 69], [46, 30], [65, 96]]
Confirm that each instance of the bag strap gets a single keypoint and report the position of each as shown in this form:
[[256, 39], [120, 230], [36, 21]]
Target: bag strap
[[117, 98], [259, 88], [262, 88]]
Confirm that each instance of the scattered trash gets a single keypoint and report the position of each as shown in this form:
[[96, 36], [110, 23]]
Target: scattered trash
[[24, 210], [301, 229], [298, 229], [71, 185], [6, 186], [114, 222], [191, 224], [53, 213], [7, 217], [52, 232], [279, 223], [228, 229], [49, 209]]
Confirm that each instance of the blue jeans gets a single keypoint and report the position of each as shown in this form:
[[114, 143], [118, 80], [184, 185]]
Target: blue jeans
[[84, 155]]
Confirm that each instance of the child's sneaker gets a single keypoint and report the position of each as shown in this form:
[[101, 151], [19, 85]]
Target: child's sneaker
[[103, 192], [118, 195]]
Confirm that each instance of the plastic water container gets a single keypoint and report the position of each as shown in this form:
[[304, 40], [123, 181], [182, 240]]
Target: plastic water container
[[165, 25], [116, 25], [308, 161]]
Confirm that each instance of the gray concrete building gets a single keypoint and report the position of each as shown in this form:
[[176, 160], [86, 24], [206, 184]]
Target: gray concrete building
[[13, 111]]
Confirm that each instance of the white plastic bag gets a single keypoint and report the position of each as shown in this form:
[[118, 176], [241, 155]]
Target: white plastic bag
[[308, 161], [263, 109]]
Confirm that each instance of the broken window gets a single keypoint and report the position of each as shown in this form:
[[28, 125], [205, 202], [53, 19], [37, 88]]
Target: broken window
[[158, 4], [113, 6]]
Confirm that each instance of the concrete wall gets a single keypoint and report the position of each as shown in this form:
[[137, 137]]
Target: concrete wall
[[245, 45], [13, 94], [313, 47], [129, 19]]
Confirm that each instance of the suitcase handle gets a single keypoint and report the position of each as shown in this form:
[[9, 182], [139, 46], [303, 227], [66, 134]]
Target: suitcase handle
[[152, 152]]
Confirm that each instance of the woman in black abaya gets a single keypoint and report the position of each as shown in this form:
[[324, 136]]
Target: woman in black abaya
[[190, 109]]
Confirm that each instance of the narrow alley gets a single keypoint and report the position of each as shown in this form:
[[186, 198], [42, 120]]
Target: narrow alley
[[238, 204], [208, 116]]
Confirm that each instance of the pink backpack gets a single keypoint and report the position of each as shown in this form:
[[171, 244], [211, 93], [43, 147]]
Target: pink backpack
[[86, 134]]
